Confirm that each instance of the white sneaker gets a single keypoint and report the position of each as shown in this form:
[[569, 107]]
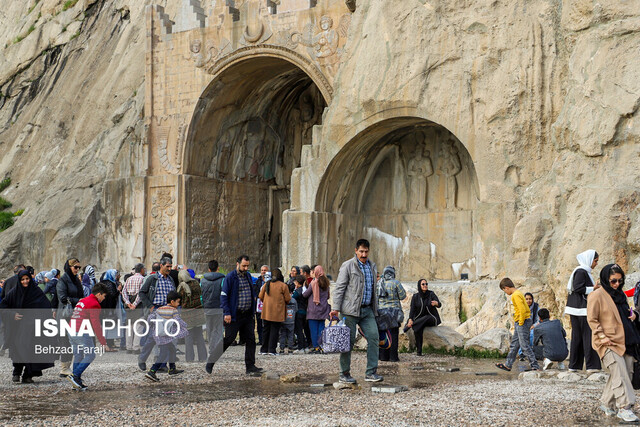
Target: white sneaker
[[262, 354], [561, 365], [607, 411], [627, 415], [547, 364], [593, 371], [573, 370]]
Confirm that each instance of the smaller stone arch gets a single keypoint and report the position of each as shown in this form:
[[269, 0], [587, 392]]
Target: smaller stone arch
[[410, 186]]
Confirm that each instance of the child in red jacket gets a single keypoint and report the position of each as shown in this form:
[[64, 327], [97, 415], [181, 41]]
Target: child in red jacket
[[84, 349]]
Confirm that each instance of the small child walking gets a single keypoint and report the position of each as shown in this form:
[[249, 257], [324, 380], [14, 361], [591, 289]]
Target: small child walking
[[164, 326], [84, 350], [286, 331], [523, 323]]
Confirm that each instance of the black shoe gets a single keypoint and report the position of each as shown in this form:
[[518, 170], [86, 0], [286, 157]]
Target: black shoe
[[209, 368], [346, 378], [129, 351], [16, 378], [175, 371], [394, 360], [83, 387], [137, 351], [163, 370], [75, 382], [152, 376], [142, 366], [254, 370], [27, 380]]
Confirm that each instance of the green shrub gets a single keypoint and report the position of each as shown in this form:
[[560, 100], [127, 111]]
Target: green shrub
[[69, 4], [5, 183], [6, 220], [459, 352]]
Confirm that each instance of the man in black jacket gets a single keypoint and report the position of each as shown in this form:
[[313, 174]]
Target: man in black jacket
[[211, 285]]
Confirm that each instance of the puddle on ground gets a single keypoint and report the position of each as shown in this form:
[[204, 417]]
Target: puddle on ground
[[415, 375]]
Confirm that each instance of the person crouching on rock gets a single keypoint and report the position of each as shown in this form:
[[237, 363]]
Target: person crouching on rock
[[615, 338], [167, 327], [552, 336], [423, 312], [523, 322]]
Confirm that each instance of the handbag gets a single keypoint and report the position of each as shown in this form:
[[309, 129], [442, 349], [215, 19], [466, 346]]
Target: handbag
[[336, 338], [384, 319], [67, 311]]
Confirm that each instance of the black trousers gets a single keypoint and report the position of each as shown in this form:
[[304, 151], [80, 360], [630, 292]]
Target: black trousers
[[299, 331], [270, 336], [22, 369], [245, 325], [418, 335], [307, 332], [391, 354], [581, 349]]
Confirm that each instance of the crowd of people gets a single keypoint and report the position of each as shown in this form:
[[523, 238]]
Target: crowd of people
[[291, 314]]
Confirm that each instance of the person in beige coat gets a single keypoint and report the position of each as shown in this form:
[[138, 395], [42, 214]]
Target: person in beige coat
[[616, 339], [274, 296]]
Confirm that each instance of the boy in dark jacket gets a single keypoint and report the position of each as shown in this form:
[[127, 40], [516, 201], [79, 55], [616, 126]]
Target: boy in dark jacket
[[301, 314]]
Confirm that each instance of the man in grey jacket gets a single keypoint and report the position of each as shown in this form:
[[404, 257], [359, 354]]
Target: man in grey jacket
[[211, 285], [355, 296]]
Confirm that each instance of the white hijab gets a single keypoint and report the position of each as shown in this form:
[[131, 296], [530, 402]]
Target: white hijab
[[585, 261]]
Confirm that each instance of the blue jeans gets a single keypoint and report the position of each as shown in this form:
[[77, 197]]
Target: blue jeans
[[316, 327], [167, 354], [83, 353], [520, 339]]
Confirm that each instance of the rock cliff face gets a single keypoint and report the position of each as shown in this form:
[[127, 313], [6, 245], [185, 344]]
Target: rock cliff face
[[543, 96], [71, 110]]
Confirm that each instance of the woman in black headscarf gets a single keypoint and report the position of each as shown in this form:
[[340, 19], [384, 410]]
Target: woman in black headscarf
[[69, 290], [18, 316], [616, 339], [423, 312]]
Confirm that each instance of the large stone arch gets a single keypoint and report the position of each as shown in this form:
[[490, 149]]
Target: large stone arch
[[244, 140], [410, 186]]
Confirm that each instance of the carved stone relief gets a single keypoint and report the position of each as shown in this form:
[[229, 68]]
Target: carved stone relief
[[205, 56], [419, 170], [162, 222], [170, 163]]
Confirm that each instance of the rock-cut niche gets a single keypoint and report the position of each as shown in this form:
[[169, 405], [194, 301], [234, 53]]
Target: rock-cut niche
[[412, 192], [251, 125]]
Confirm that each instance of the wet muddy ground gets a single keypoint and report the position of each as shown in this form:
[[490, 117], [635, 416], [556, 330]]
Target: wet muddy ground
[[477, 394]]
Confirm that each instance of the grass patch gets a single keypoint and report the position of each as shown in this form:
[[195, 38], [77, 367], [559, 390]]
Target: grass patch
[[69, 4], [459, 352], [21, 37], [33, 7], [75, 35], [6, 217], [462, 315]]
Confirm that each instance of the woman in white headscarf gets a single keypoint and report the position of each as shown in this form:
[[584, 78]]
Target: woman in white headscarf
[[580, 285]]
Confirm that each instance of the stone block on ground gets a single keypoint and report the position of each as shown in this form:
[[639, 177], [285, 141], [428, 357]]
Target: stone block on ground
[[442, 337], [598, 377], [493, 339], [391, 389], [528, 376], [571, 377]]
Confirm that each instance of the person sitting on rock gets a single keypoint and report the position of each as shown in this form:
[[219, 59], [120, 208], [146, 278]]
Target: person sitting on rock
[[423, 312], [552, 336]]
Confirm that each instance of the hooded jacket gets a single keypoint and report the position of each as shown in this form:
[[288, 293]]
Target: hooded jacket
[[211, 285]]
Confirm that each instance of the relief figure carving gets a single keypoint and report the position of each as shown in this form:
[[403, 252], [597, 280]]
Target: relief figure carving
[[449, 166], [420, 169]]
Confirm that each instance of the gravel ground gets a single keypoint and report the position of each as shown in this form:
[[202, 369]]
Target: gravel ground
[[119, 395]]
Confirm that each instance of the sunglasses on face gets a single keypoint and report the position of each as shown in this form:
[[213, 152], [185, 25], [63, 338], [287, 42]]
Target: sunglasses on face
[[76, 266], [621, 281]]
